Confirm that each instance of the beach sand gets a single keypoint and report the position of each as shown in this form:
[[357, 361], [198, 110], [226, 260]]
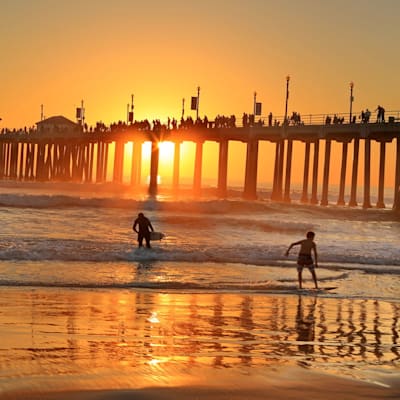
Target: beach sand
[[64, 343]]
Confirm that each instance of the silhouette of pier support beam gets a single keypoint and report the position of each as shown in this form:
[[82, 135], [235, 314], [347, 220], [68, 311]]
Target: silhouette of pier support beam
[[9, 158], [4, 163], [40, 162], [8, 162], [314, 188], [90, 161], [102, 160], [2, 146], [99, 161], [28, 173], [222, 184], [118, 161], [354, 175], [325, 181], [21, 157], [105, 163], [2, 158], [67, 162], [83, 159], [198, 164], [85, 162], [396, 201], [288, 171], [381, 184], [250, 181], [154, 159], [49, 162], [275, 178], [367, 173], [14, 160], [177, 162], [278, 171], [343, 168], [304, 194], [75, 162]]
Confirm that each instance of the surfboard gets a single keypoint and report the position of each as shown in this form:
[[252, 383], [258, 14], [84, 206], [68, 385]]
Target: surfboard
[[156, 236]]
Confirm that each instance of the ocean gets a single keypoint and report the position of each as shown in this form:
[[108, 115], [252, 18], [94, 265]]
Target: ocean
[[82, 308]]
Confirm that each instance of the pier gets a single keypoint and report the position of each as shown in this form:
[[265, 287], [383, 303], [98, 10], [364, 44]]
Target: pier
[[84, 157]]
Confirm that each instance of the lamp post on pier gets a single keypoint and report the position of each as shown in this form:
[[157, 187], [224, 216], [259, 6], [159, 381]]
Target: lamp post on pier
[[351, 100], [287, 98]]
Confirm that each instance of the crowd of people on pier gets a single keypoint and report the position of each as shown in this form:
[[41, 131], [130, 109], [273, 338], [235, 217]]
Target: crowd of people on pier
[[335, 120], [220, 121]]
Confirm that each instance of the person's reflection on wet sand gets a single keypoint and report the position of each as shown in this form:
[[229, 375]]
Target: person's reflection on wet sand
[[305, 326]]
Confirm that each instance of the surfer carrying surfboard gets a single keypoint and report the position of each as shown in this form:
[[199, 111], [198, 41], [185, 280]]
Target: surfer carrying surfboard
[[304, 259], [142, 226]]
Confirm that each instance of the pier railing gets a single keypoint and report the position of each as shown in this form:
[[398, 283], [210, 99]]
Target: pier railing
[[294, 119], [391, 116]]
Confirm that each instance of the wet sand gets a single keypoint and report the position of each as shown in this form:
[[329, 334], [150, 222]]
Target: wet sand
[[63, 343], [288, 384]]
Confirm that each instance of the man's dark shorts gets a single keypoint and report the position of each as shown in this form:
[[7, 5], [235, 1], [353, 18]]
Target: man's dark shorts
[[305, 260]]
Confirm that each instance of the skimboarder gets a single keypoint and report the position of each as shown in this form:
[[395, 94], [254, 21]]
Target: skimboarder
[[304, 258]]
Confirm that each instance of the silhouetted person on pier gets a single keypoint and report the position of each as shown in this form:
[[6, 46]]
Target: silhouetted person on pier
[[251, 119], [295, 118], [304, 259], [367, 116], [142, 226], [380, 116], [245, 120], [270, 119]]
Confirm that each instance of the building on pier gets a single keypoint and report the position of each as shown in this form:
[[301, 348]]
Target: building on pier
[[57, 125]]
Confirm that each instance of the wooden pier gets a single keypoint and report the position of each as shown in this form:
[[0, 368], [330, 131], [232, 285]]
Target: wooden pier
[[84, 157]]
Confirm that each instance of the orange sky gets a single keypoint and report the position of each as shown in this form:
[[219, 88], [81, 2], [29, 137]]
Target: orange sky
[[57, 53]]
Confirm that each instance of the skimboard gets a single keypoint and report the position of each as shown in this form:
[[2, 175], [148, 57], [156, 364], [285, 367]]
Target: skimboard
[[319, 290], [156, 236]]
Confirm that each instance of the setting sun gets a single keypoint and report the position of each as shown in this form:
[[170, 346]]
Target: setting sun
[[167, 150]]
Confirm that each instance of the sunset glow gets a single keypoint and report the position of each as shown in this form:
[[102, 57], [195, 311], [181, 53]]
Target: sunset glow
[[111, 64], [199, 199]]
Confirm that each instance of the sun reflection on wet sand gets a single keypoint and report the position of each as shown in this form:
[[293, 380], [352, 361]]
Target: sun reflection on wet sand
[[112, 339]]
